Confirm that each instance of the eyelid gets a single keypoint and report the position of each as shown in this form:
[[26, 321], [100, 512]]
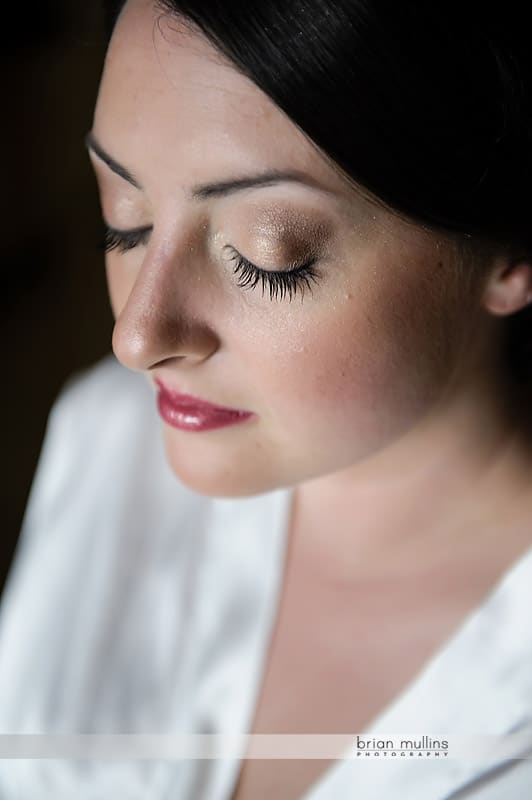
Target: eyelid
[[309, 257], [124, 240], [128, 231], [280, 282]]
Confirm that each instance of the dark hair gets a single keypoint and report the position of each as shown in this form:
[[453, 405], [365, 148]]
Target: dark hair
[[428, 105]]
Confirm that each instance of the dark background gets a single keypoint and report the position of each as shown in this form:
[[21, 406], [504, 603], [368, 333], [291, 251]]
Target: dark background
[[55, 315]]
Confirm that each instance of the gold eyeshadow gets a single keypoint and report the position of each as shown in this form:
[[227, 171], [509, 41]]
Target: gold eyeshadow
[[288, 236]]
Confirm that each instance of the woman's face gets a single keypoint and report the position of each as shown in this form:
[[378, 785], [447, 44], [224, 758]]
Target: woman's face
[[334, 369]]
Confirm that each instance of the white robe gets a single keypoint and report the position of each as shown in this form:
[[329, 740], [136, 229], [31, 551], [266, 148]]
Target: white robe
[[136, 606]]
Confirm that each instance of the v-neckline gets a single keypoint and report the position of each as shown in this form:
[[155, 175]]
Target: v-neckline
[[400, 709]]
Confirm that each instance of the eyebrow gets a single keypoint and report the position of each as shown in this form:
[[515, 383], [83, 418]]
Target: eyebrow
[[207, 190], [92, 144]]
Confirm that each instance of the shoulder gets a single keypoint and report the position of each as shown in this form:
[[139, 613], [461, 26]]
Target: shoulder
[[102, 469], [106, 393], [103, 437], [108, 531]]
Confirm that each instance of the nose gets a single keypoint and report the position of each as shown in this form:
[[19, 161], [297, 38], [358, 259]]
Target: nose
[[162, 316]]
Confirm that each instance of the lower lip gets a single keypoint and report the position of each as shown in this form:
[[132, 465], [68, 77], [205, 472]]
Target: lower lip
[[193, 418]]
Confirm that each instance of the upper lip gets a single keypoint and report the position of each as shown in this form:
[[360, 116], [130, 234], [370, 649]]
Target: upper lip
[[188, 400]]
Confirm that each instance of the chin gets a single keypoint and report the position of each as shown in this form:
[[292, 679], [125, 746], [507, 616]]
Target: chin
[[213, 477]]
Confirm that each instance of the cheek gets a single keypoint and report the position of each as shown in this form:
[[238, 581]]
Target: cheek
[[360, 367]]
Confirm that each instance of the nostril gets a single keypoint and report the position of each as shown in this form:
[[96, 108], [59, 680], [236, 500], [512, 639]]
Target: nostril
[[167, 361]]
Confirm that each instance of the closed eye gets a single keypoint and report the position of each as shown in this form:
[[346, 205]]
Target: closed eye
[[279, 282], [123, 241]]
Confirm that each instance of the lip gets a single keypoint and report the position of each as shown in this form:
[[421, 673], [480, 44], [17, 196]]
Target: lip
[[186, 412]]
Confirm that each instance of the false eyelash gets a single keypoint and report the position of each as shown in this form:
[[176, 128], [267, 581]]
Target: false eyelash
[[279, 283], [124, 240]]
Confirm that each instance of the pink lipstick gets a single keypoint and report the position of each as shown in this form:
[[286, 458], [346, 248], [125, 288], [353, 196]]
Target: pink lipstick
[[189, 413]]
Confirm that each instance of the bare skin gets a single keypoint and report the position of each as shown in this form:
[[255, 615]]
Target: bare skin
[[345, 647], [381, 395]]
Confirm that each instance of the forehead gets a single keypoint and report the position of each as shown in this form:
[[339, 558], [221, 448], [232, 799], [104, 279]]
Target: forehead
[[166, 91]]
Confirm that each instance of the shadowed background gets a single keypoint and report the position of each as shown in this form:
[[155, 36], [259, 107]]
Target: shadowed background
[[55, 313]]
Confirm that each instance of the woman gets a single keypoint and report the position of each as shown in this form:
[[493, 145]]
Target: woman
[[320, 263]]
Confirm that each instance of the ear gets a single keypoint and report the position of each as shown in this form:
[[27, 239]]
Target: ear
[[509, 287]]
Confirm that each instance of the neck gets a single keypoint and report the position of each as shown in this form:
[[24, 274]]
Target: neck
[[460, 482]]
